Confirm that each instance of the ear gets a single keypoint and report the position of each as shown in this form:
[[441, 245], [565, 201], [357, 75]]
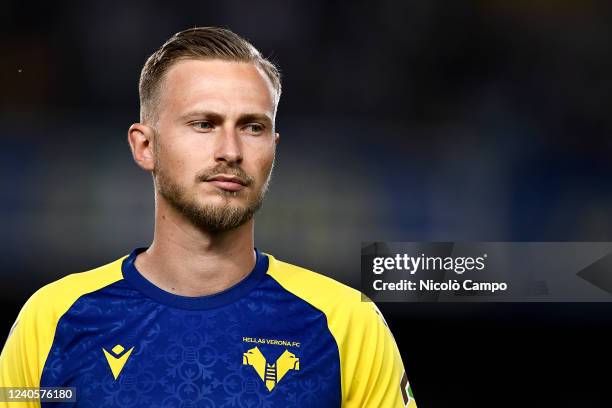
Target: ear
[[276, 138], [140, 138]]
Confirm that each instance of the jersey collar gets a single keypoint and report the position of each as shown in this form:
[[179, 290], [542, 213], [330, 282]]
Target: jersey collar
[[229, 295]]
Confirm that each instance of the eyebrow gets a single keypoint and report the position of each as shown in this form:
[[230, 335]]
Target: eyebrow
[[217, 117]]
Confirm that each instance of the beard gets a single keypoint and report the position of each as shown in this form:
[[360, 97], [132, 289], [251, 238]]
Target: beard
[[211, 217]]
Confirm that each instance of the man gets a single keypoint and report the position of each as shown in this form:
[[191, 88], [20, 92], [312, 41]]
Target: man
[[202, 318]]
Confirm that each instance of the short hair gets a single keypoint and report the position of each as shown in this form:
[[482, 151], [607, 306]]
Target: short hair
[[199, 43]]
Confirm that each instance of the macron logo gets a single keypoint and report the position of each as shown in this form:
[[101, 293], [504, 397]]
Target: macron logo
[[117, 358]]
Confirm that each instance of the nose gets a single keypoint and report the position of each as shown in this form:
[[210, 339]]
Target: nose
[[228, 147]]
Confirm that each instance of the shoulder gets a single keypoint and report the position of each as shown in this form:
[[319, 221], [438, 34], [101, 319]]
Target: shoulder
[[342, 304], [54, 299], [369, 358], [30, 339], [293, 274], [312, 286]]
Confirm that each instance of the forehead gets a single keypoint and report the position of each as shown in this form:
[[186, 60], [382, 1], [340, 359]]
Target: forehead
[[226, 86]]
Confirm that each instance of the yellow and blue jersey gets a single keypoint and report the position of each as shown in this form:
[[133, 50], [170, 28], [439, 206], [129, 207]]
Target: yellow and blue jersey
[[282, 337]]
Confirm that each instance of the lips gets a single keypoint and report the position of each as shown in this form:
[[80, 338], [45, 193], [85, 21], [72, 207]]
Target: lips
[[229, 183]]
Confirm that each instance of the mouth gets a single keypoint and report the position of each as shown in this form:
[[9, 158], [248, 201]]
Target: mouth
[[227, 182]]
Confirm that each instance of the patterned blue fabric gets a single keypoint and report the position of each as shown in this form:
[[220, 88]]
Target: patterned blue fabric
[[195, 352]]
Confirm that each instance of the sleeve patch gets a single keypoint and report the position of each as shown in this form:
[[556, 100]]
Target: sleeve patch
[[406, 391]]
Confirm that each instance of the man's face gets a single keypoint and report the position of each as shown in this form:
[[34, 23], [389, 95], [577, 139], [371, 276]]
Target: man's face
[[215, 142]]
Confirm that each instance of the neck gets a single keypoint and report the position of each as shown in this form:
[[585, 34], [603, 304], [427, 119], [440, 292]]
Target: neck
[[187, 261]]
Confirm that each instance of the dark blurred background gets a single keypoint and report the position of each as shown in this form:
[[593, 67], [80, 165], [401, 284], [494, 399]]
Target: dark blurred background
[[400, 120]]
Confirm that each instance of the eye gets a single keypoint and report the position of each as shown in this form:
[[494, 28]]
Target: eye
[[254, 128], [202, 125]]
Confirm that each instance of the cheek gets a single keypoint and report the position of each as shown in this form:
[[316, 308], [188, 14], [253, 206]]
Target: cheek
[[264, 164], [178, 163], [184, 155]]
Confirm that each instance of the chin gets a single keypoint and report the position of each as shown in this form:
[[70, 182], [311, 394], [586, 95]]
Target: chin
[[223, 199]]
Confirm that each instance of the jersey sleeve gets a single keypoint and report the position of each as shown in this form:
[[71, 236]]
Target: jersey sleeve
[[26, 349], [378, 375], [371, 369], [20, 361]]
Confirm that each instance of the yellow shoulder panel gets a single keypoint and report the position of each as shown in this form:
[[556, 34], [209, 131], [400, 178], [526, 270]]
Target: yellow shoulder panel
[[371, 368], [26, 349]]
